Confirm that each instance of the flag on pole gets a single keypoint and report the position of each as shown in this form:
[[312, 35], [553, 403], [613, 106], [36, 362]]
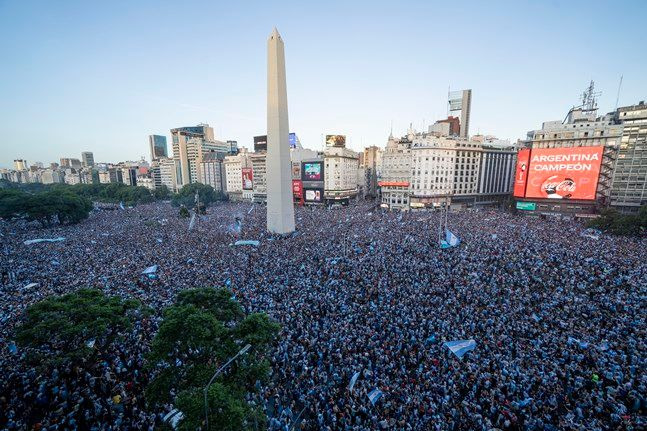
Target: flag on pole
[[121, 205], [451, 239], [460, 347], [375, 395], [192, 222], [352, 381]]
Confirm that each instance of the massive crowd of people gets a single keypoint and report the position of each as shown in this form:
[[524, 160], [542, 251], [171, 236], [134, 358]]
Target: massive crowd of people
[[558, 317]]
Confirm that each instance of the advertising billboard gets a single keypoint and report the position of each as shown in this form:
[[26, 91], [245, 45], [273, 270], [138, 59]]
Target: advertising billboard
[[297, 190], [248, 179], [314, 195], [335, 140], [564, 173], [521, 173], [312, 171], [296, 170], [293, 140], [526, 206], [260, 143]]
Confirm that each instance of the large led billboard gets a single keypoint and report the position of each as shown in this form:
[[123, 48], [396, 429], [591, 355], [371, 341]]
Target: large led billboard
[[314, 195], [521, 173], [293, 140], [335, 140], [564, 173], [312, 171], [248, 179], [297, 190]]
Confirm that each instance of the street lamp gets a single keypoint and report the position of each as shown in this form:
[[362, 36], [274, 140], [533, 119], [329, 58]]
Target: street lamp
[[206, 407]]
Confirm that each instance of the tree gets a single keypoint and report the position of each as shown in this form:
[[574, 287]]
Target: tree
[[614, 222], [69, 327], [162, 192], [186, 195], [45, 207], [199, 333]]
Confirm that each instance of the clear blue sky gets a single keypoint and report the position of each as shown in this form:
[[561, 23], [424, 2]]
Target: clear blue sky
[[102, 75]]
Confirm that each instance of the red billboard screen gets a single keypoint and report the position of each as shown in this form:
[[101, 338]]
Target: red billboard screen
[[564, 173], [521, 174], [297, 189], [248, 179]]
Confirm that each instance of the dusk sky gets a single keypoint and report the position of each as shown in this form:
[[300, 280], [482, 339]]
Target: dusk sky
[[101, 76]]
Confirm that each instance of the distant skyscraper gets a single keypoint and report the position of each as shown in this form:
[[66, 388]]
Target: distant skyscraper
[[87, 158], [280, 210], [158, 147], [20, 164], [460, 104]]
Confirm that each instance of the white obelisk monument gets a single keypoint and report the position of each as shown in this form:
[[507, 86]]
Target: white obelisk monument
[[280, 210]]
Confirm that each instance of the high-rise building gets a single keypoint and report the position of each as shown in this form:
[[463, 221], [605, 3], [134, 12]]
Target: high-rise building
[[158, 147], [395, 177], [371, 161], [212, 170], [70, 163], [189, 146], [259, 170], [280, 210], [340, 174], [460, 105], [87, 159], [234, 166], [629, 186], [168, 173], [20, 164]]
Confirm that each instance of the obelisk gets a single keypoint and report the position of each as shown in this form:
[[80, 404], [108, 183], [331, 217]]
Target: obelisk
[[280, 210]]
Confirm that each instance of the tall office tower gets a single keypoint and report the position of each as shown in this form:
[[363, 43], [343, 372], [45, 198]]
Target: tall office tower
[[20, 164], [158, 147], [87, 159], [629, 187], [460, 104], [280, 210], [189, 146]]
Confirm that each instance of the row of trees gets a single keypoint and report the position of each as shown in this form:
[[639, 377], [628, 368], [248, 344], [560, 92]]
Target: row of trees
[[204, 328], [45, 207], [612, 221], [65, 203]]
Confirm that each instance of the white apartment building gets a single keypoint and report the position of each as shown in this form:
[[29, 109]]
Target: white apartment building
[[340, 173], [260, 178], [396, 173], [167, 172], [233, 166], [72, 178], [147, 182]]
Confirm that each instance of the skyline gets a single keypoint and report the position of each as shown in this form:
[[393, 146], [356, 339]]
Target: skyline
[[96, 78]]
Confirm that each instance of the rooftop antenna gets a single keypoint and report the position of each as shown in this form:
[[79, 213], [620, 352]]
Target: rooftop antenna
[[590, 98], [618, 96], [391, 127], [448, 91]]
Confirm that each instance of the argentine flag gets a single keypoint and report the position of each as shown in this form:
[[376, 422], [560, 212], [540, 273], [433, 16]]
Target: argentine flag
[[375, 395], [451, 239], [460, 347], [353, 380]]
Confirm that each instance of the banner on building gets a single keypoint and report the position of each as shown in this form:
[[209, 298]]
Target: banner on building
[[521, 173], [335, 140], [248, 179], [564, 173]]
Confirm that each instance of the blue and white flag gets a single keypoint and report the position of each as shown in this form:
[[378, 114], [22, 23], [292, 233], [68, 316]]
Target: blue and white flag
[[460, 347], [451, 239], [375, 395], [121, 205], [353, 380]]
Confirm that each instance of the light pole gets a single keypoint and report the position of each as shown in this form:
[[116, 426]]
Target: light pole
[[206, 407]]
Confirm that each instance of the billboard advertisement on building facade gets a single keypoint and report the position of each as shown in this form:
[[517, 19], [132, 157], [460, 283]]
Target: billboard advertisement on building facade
[[564, 173], [296, 170], [297, 190], [314, 195], [312, 171], [335, 140], [248, 179], [293, 140], [521, 173]]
